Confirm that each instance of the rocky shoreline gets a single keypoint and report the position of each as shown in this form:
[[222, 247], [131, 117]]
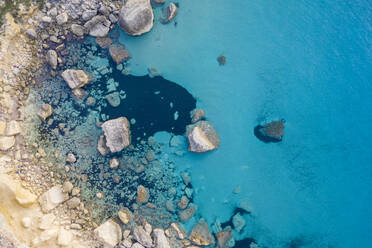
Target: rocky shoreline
[[43, 207]]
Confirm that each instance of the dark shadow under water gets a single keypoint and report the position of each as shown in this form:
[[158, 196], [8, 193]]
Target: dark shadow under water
[[153, 103]]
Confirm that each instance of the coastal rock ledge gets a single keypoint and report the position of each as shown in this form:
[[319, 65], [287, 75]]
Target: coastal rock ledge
[[136, 17], [202, 137]]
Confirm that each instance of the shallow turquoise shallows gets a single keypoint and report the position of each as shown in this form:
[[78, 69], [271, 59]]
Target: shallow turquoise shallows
[[309, 62]]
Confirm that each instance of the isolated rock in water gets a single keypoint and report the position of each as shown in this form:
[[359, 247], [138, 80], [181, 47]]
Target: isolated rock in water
[[6, 142], [238, 222], [188, 213], [45, 111], [98, 26], [142, 236], [75, 78], [77, 29], [202, 137], [104, 42], [197, 115], [200, 234], [160, 239], [119, 54], [113, 99], [270, 132], [136, 17], [117, 134], [52, 59], [101, 147], [169, 13], [52, 198], [109, 233]]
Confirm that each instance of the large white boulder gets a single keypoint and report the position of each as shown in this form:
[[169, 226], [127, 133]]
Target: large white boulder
[[109, 233], [136, 17], [52, 198]]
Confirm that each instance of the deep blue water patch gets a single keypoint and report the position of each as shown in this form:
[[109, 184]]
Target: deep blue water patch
[[156, 104]]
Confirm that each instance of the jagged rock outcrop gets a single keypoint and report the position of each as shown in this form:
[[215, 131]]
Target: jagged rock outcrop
[[202, 137], [75, 78], [117, 134], [136, 17]]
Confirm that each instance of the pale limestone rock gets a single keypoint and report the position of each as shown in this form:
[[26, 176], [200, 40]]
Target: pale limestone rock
[[62, 18], [202, 137], [113, 99], [180, 231], [117, 134], [160, 239], [188, 213], [67, 187], [2, 127], [75, 78], [64, 237], [77, 30], [119, 54], [114, 163], [26, 222], [52, 58], [137, 245], [136, 17], [142, 236], [46, 221], [109, 233], [45, 111], [24, 197], [169, 13], [196, 115], [124, 216], [74, 202], [101, 146], [70, 158], [6, 142], [52, 198], [98, 26]]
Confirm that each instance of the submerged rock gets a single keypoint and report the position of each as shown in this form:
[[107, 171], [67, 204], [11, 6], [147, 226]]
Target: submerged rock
[[104, 42], [75, 78], [98, 26], [197, 115], [119, 54], [200, 234], [136, 17], [125, 215], [221, 60], [224, 237], [142, 194], [238, 222], [109, 233], [270, 132], [202, 137], [169, 13], [117, 134], [188, 213], [62, 18], [113, 99], [101, 147], [52, 59], [45, 111]]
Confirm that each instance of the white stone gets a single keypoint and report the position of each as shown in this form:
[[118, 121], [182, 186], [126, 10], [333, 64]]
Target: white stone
[[160, 239], [46, 221], [13, 128], [62, 18], [52, 198], [6, 142], [64, 237], [109, 233], [26, 222]]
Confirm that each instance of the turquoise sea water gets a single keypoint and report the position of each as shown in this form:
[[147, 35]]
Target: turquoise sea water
[[308, 62]]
